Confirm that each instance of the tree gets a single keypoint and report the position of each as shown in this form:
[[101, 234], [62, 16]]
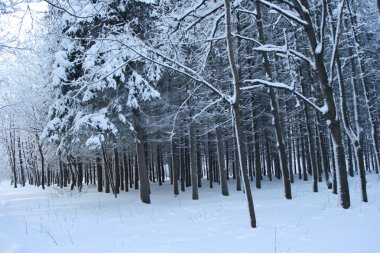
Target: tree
[[98, 79]]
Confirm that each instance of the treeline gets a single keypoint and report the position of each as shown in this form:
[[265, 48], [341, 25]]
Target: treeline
[[180, 91]]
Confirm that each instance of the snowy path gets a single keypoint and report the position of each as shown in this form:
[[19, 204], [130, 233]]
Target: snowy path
[[55, 220]]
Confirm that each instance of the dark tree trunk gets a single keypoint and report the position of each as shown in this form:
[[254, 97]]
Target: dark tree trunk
[[99, 174], [275, 109], [122, 172], [237, 168], [107, 179], [325, 161], [142, 170], [40, 149], [235, 109], [199, 163], [210, 152], [136, 171], [126, 171], [158, 166], [116, 166], [175, 166], [331, 114], [257, 156], [21, 161], [193, 162], [80, 176], [222, 164], [61, 174], [182, 167]]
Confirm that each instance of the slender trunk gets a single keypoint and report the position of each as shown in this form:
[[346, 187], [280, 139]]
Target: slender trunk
[[22, 171], [61, 174], [99, 174], [358, 138], [268, 156], [324, 156], [40, 149], [158, 166], [210, 172], [199, 163], [80, 176], [175, 166], [365, 84], [136, 171], [236, 116], [142, 171], [237, 167], [182, 168], [116, 167], [257, 157], [275, 109], [126, 170], [299, 159], [304, 167], [193, 162], [328, 94], [227, 161], [221, 163], [122, 171]]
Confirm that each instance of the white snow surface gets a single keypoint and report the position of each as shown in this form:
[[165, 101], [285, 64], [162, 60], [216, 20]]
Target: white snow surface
[[60, 220]]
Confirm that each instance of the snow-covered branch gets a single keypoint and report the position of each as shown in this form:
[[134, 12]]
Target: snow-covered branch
[[178, 67], [259, 82], [287, 13]]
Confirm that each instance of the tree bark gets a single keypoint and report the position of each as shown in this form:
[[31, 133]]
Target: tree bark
[[222, 163], [275, 109], [99, 174], [175, 165], [193, 162], [142, 171], [235, 108]]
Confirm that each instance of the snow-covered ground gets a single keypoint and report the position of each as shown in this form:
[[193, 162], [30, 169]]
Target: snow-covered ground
[[56, 220]]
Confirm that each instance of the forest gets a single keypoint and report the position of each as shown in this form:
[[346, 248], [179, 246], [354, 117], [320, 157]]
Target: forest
[[228, 94]]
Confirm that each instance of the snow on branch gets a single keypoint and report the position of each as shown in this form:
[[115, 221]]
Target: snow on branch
[[246, 38], [259, 82], [283, 49], [206, 107], [336, 39], [278, 49], [182, 105], [204, 15], [170, 63], [287, 13], [254, 13], [187, 13]]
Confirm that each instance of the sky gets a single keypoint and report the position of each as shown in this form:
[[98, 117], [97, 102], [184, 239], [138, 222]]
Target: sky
[[15, 27]]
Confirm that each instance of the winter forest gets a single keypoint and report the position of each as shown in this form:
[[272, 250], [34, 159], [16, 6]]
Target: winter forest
[[158, 102]]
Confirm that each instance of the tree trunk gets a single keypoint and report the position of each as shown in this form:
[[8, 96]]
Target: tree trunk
[[126, 170], [275, 109], [116, 169], [210, 172], [99, 174], [235, 108], [175, 166], [142, 171], [222, 163], [80, 176], [42, 165], [193, 162]]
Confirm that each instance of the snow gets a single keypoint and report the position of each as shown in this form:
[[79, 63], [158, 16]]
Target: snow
[[60, 220], [288, 13], [318, 49], [324, 109]]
